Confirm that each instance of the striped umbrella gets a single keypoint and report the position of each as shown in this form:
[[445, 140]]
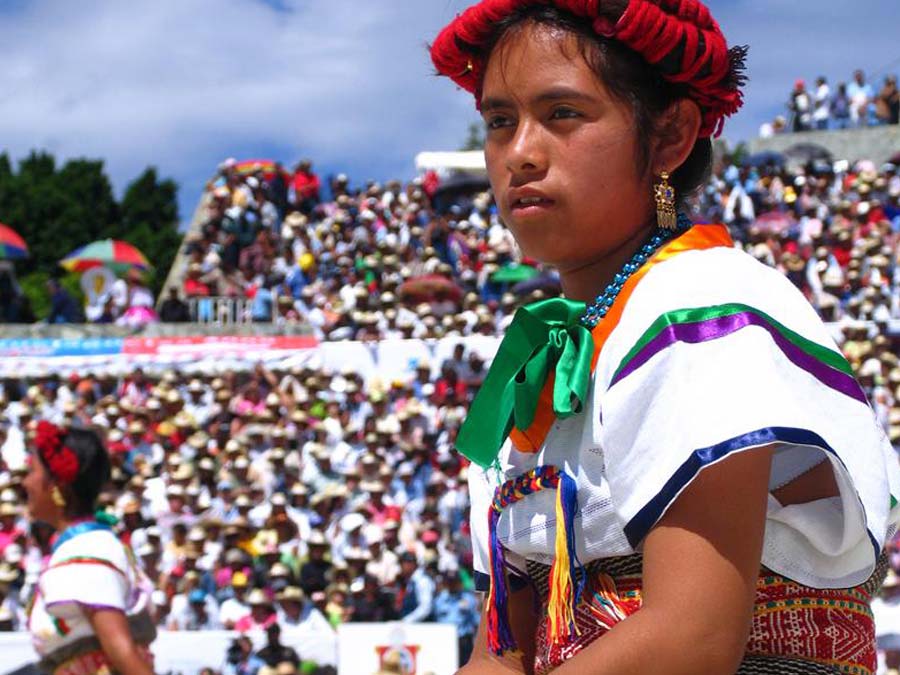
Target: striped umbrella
[[119, 256], [251, 166], [12, 246]]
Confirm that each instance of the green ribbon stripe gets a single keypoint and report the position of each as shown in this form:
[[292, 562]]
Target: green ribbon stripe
[[544, 335], [823, 354]]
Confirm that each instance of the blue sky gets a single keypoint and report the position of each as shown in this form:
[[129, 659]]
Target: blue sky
[[183, 84]]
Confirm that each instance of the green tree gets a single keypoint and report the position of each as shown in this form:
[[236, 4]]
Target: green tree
[[57, 209], [149, 220], [7, 189], [475, 137]]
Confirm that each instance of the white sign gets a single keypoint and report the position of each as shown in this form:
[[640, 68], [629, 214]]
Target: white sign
[[188, 652], [419, 648]]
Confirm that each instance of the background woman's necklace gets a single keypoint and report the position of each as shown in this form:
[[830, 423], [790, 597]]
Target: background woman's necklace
[[601, 304]]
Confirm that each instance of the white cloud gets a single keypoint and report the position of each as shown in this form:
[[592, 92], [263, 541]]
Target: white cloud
[[181, 84], [184, 84]]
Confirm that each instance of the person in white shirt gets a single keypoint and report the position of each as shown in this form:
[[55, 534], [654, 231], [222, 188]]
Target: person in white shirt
[[235, 608], [821, 104]]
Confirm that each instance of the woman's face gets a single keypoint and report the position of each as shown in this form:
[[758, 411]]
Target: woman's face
[[37, 484], [560, 151]]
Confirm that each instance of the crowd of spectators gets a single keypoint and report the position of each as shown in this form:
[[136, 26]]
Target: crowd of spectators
[[268, 500], [375, 261], [846, 106], [276, 500]]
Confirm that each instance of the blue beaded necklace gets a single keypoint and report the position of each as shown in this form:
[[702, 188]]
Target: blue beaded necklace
[[601, 304]]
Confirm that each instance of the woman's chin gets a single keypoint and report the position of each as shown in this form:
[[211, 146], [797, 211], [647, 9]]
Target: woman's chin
[[34, 512]]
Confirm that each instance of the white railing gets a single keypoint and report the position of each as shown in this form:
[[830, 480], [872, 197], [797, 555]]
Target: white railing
[[221, 310]]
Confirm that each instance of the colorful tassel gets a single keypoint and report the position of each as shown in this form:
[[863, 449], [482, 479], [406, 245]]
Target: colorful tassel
[[605, 605], [499, 635], [566, 584], [567, 576]]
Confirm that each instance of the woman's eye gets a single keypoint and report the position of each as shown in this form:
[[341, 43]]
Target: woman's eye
[[496, 122], [563, 114]]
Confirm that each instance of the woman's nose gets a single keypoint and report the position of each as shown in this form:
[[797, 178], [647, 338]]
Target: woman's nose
[[526, 151]]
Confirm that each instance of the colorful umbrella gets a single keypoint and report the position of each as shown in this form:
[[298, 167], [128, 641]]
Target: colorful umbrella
[[547, 282], [514, 272], [119, 256], [251, 166], [429, 287], [12, 246]]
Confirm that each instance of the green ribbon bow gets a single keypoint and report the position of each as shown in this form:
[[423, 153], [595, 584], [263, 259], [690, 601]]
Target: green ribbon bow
[[543, 335]]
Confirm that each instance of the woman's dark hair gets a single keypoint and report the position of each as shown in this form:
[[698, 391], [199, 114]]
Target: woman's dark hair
[[628, 78], [93, 471]]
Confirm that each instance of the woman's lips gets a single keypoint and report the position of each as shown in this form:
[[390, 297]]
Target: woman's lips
[[532, 205]]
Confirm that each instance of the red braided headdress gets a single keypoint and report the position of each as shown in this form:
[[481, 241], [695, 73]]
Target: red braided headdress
[[61, 460], [680, 37]]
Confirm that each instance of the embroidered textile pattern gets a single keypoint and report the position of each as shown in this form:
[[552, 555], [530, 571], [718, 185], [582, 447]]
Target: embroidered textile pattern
[[795, 629], [96, 662], [833, 626]]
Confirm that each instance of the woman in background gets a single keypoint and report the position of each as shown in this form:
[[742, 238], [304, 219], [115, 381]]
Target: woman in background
[[90, 609]]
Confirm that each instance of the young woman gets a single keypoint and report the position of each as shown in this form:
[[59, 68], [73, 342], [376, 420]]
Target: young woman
[[675, 457], [90, 610]]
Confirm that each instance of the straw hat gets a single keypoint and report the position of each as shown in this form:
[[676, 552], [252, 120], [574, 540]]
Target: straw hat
[[257, 597], [291, 593]]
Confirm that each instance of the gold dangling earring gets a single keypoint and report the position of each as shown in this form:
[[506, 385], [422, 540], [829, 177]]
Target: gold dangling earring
[[666, 215], [57, 496]]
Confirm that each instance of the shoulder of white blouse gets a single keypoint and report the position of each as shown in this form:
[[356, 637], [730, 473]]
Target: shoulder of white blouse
[[100, 547]]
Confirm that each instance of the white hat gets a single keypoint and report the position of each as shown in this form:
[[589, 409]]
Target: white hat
[[13, 554], [258, 597], [373, 534], [145, 550], [316, 538], [352, 521]]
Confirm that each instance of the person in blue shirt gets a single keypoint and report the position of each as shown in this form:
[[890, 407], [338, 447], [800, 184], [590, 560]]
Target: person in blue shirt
[[458, 606], [63, 308], [295, 278], [261, 309], [240, 659], [417, 597]]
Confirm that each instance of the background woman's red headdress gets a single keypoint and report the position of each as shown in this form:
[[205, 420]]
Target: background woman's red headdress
[[61, 460], [679, 37]]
